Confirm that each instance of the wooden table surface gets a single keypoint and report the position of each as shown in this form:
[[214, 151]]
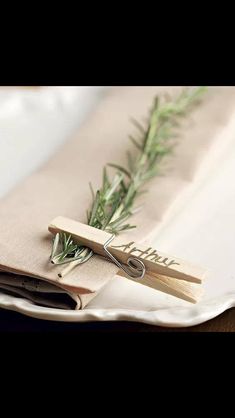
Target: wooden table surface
[[14, 322]]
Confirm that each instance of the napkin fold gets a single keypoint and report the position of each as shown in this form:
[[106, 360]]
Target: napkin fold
[[60, 187]]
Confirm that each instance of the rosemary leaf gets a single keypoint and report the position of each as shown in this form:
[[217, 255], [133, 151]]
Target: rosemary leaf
[[115, 201], [122, 169], [135, 142]]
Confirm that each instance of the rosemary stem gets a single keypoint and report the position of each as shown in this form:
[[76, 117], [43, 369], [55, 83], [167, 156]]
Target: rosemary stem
[[68, 268], [114, 202], [84, 256], [117, 213]]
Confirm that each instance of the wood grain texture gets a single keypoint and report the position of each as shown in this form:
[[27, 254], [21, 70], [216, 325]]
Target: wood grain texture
[[154, 260], [191, 292], [163, 272]]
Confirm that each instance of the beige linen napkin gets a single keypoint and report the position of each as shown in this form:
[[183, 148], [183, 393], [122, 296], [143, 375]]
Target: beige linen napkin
[[60, 187]]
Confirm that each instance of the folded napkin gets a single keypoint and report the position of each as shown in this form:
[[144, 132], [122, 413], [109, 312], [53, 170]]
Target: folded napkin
[[60, 187], [37, 291]]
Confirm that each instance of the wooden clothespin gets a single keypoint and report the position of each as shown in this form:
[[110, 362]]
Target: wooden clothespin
[[140, 263]]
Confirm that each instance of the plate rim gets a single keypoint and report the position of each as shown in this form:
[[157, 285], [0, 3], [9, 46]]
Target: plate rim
[[175, 317]]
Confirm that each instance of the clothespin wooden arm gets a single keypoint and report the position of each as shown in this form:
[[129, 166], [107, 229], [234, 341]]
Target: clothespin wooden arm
[[154, 260]]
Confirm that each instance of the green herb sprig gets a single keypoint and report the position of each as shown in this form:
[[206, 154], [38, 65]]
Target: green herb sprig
[[113, 204]]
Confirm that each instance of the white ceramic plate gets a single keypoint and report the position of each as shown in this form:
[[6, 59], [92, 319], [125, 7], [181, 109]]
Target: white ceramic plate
[[200, 227]]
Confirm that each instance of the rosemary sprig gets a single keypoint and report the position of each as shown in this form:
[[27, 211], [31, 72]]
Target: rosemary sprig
[[113, 204]]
